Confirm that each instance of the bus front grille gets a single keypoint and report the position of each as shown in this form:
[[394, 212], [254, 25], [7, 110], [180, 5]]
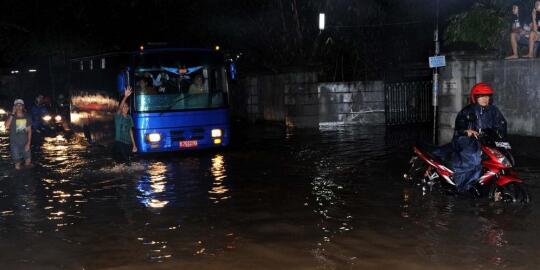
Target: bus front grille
[[183, 135]]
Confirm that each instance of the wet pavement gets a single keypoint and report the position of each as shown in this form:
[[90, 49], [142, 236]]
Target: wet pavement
[[276, 199]]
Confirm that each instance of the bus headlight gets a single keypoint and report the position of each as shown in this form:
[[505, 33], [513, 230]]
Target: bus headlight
[[58, 118], [46, 118], [216, 133], [154, 137]]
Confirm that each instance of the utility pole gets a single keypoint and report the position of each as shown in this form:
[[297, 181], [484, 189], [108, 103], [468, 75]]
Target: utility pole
[[435, 89]]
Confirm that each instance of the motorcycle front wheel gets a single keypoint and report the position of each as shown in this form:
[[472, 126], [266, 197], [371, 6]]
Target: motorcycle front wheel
[[416, 171], [512, 193]]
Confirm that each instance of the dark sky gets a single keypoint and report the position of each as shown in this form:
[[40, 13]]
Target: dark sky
[[268, 30]]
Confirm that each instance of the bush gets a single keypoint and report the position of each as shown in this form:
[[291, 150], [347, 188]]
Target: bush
[[482, 26]]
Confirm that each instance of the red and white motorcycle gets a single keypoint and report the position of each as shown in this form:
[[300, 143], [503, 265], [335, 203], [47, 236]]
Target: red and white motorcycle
[[499, 180]]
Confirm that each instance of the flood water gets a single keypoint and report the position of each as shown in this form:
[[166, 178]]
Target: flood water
[[276, 199]]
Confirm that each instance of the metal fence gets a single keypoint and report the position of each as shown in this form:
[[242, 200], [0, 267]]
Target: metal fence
[[408, 102]]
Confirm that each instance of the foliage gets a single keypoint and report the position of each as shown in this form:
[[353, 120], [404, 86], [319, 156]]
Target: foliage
[[486, 24], [484, 27]]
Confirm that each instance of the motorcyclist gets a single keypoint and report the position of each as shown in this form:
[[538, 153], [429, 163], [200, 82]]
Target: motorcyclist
[[61, 102], [38, 111], [62, 106], [479, 114]]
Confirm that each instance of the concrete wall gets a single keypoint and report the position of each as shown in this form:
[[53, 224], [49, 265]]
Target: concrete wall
[[517, 91], [262, 97], [298, 100], [351, 102], [301, 104]]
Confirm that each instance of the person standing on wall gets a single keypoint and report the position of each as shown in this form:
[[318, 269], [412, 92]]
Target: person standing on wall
[[535, 29], [517, 33]]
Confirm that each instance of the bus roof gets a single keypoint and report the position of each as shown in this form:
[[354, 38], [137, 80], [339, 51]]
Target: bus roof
[[144, 51]]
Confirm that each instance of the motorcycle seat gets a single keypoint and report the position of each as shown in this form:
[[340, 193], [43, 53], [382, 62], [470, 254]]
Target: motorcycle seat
[[442, 154]]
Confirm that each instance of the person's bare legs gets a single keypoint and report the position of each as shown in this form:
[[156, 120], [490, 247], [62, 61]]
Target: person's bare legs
[[513, 41], [532, 39], [17, 165], [28, 162]]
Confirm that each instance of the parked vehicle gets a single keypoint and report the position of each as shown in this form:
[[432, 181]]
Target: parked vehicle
[[51, 122], [499, 180], [3, 118]]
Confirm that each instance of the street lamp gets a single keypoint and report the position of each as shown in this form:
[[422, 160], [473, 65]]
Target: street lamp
[[321, 21]]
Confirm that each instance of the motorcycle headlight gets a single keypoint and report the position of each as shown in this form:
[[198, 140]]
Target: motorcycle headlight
[[46, 118], [58, 118]]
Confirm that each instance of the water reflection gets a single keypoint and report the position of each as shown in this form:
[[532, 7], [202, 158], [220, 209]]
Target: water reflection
[[332, 199], [153, 186], [219, 190], [480, 233], [327, 203], [62, 193]]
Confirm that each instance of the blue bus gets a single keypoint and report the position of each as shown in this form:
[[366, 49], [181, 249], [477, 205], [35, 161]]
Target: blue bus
[[180, 99]]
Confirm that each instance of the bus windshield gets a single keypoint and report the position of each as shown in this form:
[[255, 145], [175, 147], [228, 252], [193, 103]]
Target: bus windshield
[[179, 81]]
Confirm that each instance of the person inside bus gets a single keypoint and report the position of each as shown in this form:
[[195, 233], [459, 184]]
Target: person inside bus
[[159, 82], [169, 84], [197, 87], [182, 83], [479, 114], [145, 86], [124, 142]]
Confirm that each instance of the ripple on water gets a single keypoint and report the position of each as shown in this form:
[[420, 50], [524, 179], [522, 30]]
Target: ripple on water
[[281, 199]]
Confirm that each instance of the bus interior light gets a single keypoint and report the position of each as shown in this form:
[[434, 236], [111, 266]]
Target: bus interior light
[[216, 133], [217, 141], [154, 137]]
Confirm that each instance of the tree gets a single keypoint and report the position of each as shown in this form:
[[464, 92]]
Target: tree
[[485, 25]]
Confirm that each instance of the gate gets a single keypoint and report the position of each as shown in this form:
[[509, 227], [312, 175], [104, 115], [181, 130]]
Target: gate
[[408, 102]]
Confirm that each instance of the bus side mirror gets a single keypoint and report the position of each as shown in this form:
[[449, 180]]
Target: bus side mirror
[[231, 68]]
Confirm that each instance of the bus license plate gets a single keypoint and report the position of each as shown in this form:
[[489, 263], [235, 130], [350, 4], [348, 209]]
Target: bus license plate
[[188, 144]]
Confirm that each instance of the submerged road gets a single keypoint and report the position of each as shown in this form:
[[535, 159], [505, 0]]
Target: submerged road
[[276, 199]]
